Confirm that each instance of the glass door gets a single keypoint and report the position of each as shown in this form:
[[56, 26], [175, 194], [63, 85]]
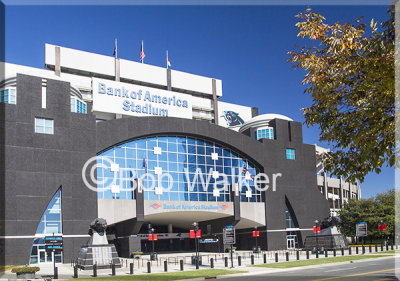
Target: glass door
[[291, 243], [45, 257]]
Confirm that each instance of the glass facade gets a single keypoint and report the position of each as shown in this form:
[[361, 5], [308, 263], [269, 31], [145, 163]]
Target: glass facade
[[265, 133], [78, 106], [50, 223], [151, 158], [44, 126], [8, 96], [290, 154]]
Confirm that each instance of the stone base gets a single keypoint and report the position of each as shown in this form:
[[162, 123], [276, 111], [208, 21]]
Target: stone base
[[327, 242], [101, 255]]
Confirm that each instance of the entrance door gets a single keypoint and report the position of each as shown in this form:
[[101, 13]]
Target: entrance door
[[45, 257], [291, 244]]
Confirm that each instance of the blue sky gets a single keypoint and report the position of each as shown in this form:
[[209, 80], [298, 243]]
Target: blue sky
[[244, 46]]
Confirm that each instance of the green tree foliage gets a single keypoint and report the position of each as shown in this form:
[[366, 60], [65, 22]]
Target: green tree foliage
[[371, 211], [350, 77]]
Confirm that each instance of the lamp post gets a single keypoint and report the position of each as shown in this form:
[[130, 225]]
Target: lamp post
[[152, 232], [256, 239], [196, 228], [316, 235], [383, 242]]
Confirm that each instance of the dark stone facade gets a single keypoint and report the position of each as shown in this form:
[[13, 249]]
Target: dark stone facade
[[36, 165]]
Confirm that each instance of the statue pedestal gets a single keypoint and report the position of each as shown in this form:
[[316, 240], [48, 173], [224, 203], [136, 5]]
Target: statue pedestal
[[103, 255]]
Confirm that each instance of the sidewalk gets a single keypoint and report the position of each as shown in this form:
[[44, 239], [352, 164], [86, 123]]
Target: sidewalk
[[66, 271]]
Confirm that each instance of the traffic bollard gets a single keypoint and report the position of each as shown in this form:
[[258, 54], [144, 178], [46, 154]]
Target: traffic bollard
[[297, 255], [382, 247], [181, 264], [334, 252], [308, 254], [326, 253], [75, 271], [376, 248], [239, 261], [212, 263], [342, 252], [287, 256], [165, 266], [252, 259], [363, 250], [356, 250], [148, 267], [265, 258], [113, 269], [370, 248], [226, 262], [276, 257], [349, 251], [131, 268], [95, 270]]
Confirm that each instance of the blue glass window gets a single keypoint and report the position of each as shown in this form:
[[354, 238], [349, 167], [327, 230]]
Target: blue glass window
[[50, 222], [8, 96], [290, 154], [266, 133], [44, 126], [78, 106], [177, 154]]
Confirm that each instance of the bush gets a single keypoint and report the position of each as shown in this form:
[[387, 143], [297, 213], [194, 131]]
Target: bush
[[137, 253], [228, 249], [25, 269]]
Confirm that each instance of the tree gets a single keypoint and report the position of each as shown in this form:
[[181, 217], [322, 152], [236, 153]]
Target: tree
[[371, 211], [350, 77]]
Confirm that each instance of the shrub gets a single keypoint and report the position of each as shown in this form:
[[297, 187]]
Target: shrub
[[25, 269], [137, 253]]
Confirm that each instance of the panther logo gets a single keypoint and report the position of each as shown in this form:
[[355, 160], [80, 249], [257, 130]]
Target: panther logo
[[232, 118]]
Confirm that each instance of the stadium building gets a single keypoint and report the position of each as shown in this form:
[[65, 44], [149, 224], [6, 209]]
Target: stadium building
[[98, 136]]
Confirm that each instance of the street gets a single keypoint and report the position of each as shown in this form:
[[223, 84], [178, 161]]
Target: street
[[374, 270]]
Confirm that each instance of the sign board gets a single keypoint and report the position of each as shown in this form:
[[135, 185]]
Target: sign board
[[229, 235], [205, 241], [53, 239], [127, 99], [53, 243], [361, 229], [233, 116]]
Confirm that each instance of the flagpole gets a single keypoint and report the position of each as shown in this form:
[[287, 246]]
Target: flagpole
[[142, 51], [167, 59], [116, 48]]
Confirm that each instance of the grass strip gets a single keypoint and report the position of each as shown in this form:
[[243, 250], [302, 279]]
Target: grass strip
[[291, 264], [6, 267], [169, 276]]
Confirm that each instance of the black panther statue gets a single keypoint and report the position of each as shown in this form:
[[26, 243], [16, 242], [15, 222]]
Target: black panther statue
[[99, 225]]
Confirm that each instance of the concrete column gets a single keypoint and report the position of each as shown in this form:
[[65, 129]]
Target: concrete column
[[325, 186], [117, 69], [215, 100], [57, 64], [169, 87], [170, 230]]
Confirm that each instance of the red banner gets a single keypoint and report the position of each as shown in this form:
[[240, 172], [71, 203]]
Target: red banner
[[153, 237], [256, 233]]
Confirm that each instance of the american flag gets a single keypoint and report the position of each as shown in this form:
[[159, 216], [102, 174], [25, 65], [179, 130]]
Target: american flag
[[144, 164], [142, 54]]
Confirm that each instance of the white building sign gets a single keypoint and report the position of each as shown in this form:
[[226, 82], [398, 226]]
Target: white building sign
[[127, 99]]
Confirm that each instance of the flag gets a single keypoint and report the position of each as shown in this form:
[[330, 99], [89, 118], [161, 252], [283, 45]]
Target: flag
[[246, 171], [144, 164], [168, 62], [115, 48], [142, 54]]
